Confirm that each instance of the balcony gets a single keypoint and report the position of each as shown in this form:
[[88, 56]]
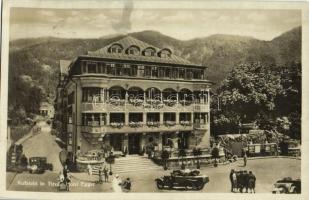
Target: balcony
[[200, 126], [94, 129], [155, 127]]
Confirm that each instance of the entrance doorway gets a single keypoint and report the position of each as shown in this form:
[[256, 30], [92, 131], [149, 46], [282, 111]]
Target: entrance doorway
[[134, 143]]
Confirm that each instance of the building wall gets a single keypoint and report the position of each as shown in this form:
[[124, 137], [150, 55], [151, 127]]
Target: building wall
[[78, 107]]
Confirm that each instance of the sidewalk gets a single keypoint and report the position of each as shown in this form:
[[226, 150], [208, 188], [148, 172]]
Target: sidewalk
[[85, 179]]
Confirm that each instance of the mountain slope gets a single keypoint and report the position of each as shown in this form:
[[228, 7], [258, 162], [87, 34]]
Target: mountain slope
[[39, 58]]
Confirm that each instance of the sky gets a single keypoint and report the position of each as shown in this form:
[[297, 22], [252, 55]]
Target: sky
[[181, 24]]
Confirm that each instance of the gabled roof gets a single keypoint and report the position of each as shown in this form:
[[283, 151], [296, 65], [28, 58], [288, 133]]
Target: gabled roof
[[64, 66], [128, 41]]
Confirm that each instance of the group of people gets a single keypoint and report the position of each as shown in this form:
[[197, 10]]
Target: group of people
[[121, 186], [103, 171], [241, 180]]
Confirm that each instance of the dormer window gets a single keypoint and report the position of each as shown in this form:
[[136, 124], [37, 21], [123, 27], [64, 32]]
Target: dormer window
[[165, 53], [133, 50], [116, 48], [149, 52]]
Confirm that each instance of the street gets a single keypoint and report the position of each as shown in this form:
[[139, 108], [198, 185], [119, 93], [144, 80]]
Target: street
[[43, 144], [267, 172]]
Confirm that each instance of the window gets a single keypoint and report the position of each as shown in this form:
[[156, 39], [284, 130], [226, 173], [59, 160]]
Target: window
[[101, 68], [93, 119], [84, 67], [118, 70], [133, 50], [133, 70], [189, 74], [111, 69], [181, 73], [147, 71], [92, 94], [92, 67], [167, 73], [161, 72], [197, 74], [174, 73], [165, 53], [116, 48], [149, 52], [154, 72]]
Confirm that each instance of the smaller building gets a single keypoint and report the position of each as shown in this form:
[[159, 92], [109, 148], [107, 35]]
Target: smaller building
[[46, 110]]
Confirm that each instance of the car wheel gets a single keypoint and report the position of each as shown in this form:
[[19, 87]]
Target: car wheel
[[200, 186], [190, 185], [160, 185]]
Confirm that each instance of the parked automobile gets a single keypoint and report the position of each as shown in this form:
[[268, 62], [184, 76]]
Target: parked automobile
[[186, 179], [287, 186], [38, 165]]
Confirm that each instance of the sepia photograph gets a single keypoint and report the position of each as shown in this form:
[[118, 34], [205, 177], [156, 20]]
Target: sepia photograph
[[136, 100]]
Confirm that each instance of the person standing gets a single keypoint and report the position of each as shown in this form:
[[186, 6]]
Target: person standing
[[105, 171], [117, 184], [65, 174], [231, 180], [245, 159], [251, 182], [100, 175], [234, 177], [89, 169], [246, 180], [240, 181]]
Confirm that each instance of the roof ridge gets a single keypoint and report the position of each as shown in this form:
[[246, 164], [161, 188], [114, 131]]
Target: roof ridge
[[128, 41]]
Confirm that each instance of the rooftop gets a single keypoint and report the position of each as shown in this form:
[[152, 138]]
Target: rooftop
[[130, 41]]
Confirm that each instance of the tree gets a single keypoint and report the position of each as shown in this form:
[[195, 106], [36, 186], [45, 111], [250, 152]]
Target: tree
[[248, 92], [263, 94]]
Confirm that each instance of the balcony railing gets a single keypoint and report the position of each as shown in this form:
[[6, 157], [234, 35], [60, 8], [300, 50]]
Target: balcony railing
[[200, 126], [138, 106], [148, 127]]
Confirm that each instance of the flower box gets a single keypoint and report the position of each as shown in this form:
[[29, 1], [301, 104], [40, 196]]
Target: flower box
[[116, 124], [135, 124], [153, 124]]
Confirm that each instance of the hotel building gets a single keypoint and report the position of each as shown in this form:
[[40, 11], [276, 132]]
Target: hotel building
[[130, 94]]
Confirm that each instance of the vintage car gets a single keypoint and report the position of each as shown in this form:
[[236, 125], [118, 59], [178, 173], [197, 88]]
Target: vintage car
[[38, 165], [287, 186], [186, 179]]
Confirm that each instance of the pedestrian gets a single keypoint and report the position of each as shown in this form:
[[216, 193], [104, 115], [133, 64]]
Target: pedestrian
[[127, 185], [245, 159], [251, 182], [100, 175], [234, 177], [246, 180], [231, 180], [117, 184], [240, 181], [105, 171], [89, 169], [65, 174]]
